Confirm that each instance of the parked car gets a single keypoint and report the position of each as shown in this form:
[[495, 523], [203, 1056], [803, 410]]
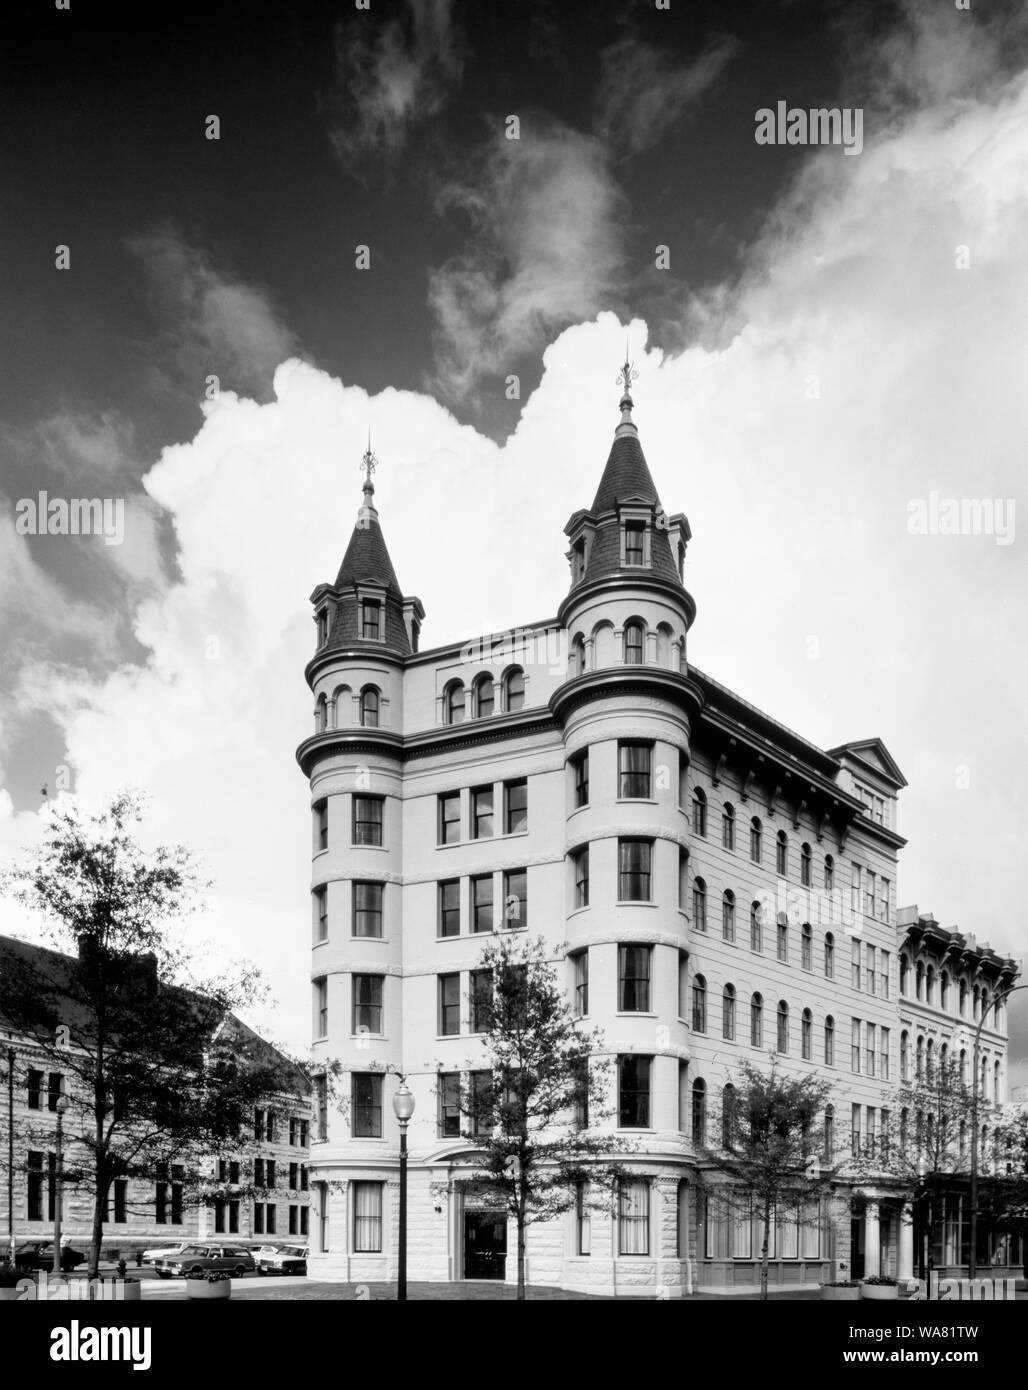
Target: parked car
[[150, 1257], [285, 1259], [39, 1254], [198, 1259]]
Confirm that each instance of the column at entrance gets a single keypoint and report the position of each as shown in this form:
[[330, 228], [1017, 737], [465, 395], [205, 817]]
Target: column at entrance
[[905, 1268], [872, 1240]]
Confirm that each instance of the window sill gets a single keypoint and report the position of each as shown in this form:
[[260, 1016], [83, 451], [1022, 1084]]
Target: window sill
[[354, 845], [635, 1013], [576, 911], [377, 1037], [636, 801], [637, 902]]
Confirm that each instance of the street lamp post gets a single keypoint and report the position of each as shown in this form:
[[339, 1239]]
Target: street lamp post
[[403, 1108], [60, 1106], [972, 1260]]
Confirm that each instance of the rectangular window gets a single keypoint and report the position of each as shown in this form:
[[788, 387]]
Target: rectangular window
[[870, 1130], [270, 1166], [855, 1130], [635, 532], [321, 1008], [870, 974], [367, 1105], [367, 820], [481, 993], [634, 870], [883, 1053], [321, 1189], [35, 1184], [482, 903], [321, 914], [515, 807], [367, 1003], [321, 825], [481, 1083], [258, 1172], [219, 1216], [367, 1218], [449, 818], [449, 1005], [783, 941], [883, 899], [304, 1177], [303, 1222], [634, 964], [321, 1106], [581, 768], [855, 888], [855, 1045], [481, 812], [883, 973], [583, 1223], [634, 770], [855, 964], [869, 1052], [869, 894], [580, 867], [449, 1105], [293, 1214], [370, 619], [449, 907], [515, 898], [35, 1090], [634, 1092], [634, 1217], [294, 1174], [581, 960], [258, 1218], [54, 1089], [367, 909]]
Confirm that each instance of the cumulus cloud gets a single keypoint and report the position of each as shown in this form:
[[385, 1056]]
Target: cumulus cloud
[[212, 322], [388, 76], [643, 93], [544, 251]]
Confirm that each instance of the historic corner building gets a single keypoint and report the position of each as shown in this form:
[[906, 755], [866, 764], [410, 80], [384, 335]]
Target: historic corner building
[[714, 887]]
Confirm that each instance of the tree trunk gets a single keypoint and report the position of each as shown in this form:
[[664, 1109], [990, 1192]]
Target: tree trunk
[[764, 1249], [521, 1248]]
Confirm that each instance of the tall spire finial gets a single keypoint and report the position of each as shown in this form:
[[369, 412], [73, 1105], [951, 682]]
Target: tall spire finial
[[369, 463], [625, 377]]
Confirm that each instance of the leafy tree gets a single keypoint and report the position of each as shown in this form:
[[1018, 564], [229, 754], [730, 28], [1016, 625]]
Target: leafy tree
[[531, 1118], [772, 1146], [160, 1073]]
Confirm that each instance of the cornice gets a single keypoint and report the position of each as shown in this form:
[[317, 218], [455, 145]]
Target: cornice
[[636, 580], [625, 680]]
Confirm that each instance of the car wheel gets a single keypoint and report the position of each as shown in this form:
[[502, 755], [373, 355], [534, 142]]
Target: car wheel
[[162, 1274], [240, 1271]]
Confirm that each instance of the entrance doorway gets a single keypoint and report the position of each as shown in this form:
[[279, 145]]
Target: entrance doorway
[[485, 1245], [857, 1248]]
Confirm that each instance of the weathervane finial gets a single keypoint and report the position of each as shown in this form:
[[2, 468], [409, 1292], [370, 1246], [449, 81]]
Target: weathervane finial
[[369, 462], [627, 374]]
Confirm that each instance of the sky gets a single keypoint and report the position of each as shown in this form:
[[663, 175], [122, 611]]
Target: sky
[[830, 354]]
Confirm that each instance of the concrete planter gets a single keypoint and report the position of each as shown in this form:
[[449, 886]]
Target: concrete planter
[[879, 1292], [200, 1289], [10, 1295], [833, 1294], [131, 1291]]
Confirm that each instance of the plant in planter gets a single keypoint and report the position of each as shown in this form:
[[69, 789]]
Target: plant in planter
[[841, 1291], [879, 1286], [214, 1284]]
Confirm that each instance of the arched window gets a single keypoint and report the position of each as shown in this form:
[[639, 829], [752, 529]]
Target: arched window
[[369, 707], [904, 974], [782, 854], [728, 915], [453, 703], [756, 926], [699, 1111], [699, 905], [728, 826], [635, 638], [829, 956], [944, 1063], [929, 989], [962, 999], [976, 999], [904, 1130], [755, 839], [985, 1005], [756, 1020], [829, 1041], [728, 1013], [919, 980], [807, 1036], [919, 1060], [904, 1056], [485, 697], [944, 990], [806, 863], [783, 1027], [699, 812], [783, 937], [807, 946], [342, 704], [699, 1004], [320, 715], [514, 689], [728, 1124], [578, 656], [829, 1133], [929, 1061], [829, 873], [996, 1085], [962, 1142], [963, 1066]]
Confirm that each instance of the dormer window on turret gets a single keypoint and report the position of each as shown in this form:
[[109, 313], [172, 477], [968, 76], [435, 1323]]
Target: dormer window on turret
[[578, 560], [635, 537], [371, 620], [322, 621]]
